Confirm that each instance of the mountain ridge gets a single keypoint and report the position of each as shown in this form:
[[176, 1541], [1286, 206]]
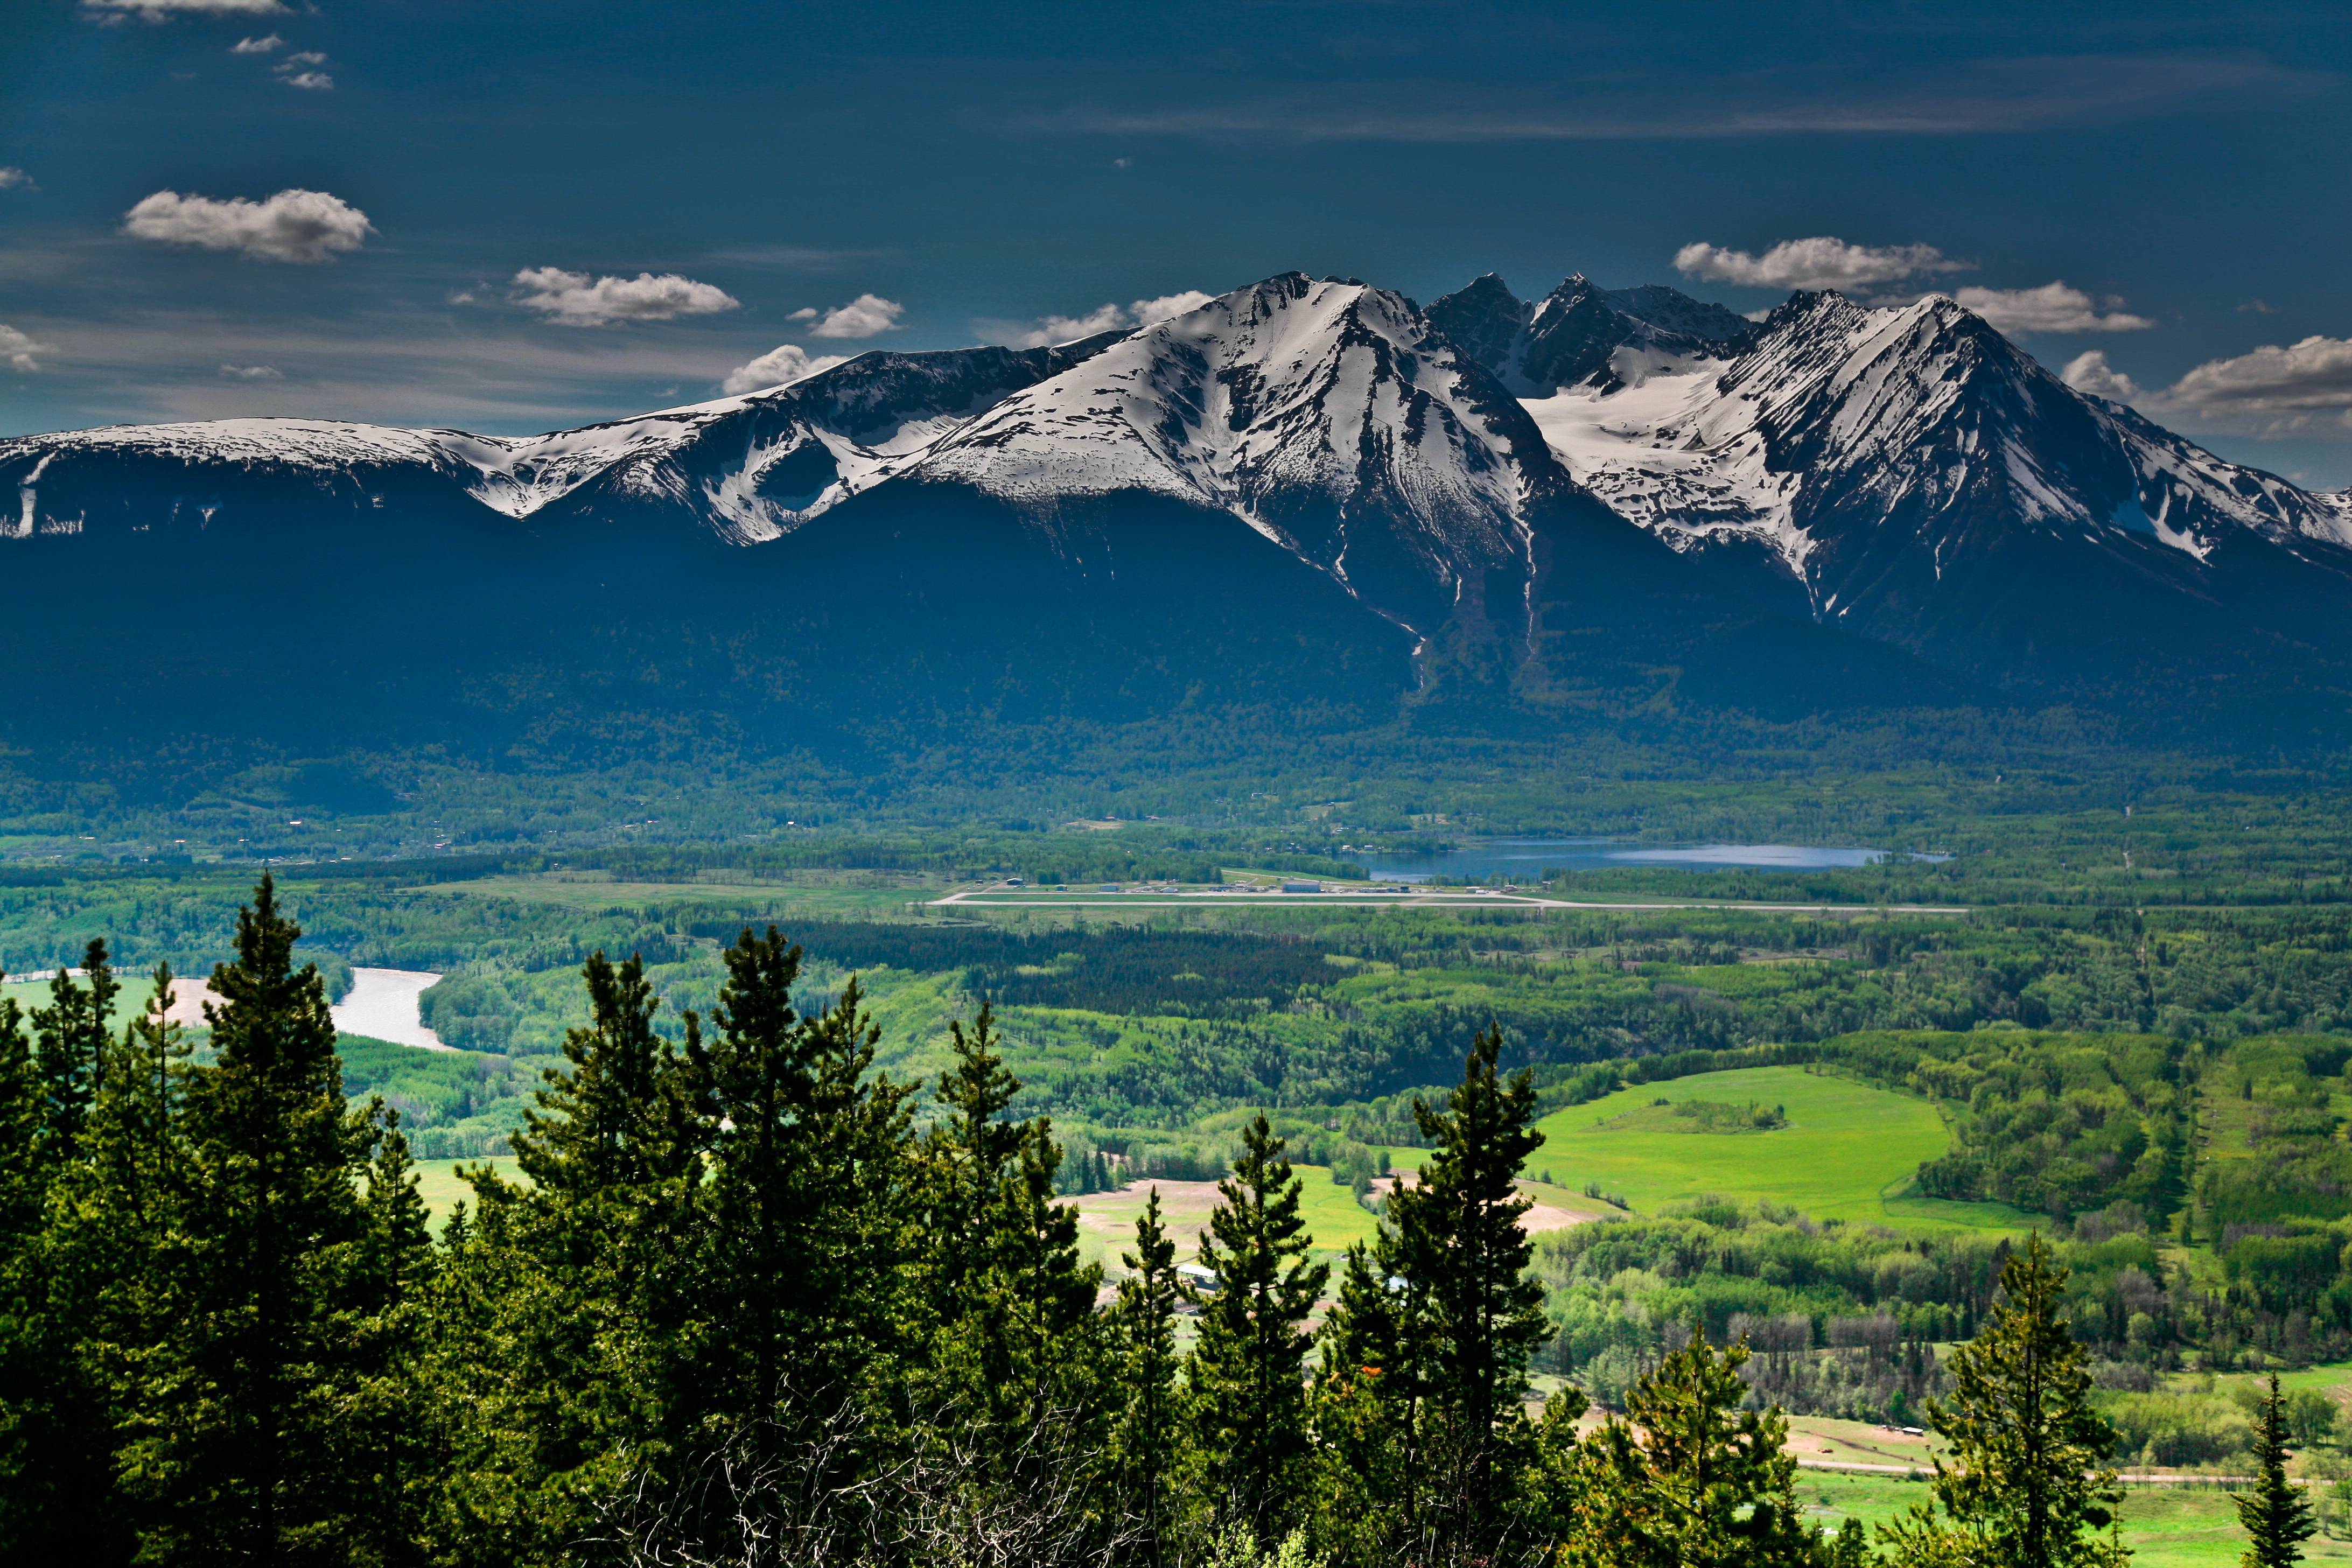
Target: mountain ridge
[[1530, 493]]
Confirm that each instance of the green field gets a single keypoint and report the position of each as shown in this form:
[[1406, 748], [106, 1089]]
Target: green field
[[2163, 1527], [1848, 1152], [437, 1182]]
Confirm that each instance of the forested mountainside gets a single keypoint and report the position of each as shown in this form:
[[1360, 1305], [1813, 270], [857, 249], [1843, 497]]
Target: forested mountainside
[[1301, 492]]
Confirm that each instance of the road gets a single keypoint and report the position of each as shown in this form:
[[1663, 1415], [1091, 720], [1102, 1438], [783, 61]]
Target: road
[[999, 896]]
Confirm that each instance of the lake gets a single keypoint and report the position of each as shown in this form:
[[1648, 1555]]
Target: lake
[[381, 1005], [1526, 860]]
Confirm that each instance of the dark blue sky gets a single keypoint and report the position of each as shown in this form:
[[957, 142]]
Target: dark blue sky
[[983, 169]]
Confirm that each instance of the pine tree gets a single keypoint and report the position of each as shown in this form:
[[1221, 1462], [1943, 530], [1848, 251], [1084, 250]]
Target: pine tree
[[1368, 1406], [390, 1414], [2276, 1515], [70, 1038], [1245, 1374], [807, 1189], [239, 1455], [2028, 1481], [30, 1333], [1144, 1440], [113, 1223], [1460, 1240], [1017, 1337], [577, 1295], [1687, 1477], [967, 1156]]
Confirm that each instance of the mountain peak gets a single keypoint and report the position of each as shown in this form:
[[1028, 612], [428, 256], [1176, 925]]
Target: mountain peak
[[1332, 417]]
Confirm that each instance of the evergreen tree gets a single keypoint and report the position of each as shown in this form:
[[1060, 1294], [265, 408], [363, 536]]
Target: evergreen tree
[[580, 1291], [1687, 1477], [1367, 1407], [114, 1218], [31, 1334], [807, 1193], [1017, 1372], [1144, 1441], [70, 1036], [2276, 1515], [390, 1414], [967, 1156], [1250, 1405], [239, 1454], [2027, 1482], [1460, 1241]]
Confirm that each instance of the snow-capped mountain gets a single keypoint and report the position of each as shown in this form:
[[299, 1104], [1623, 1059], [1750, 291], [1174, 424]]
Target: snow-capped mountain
[[1580, 334], [1903, 464], [751, 466], [1330, 416], [1541, 490]]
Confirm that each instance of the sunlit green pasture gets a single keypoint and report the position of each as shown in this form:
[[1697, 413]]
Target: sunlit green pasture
[[1848, 1152]]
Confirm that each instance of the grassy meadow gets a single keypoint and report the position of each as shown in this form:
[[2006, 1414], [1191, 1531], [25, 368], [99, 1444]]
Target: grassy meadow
[[1848, 1151]]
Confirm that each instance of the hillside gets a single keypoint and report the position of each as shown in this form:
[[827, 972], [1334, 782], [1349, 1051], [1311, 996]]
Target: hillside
[[1515, 519]]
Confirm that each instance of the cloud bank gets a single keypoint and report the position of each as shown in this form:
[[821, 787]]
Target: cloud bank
[[301, 226], [1820, 262], [867, 316], [2051, 308], [576, 299], [784, 363], [1105, 318], [20, 351], [2299, 389], [162, 10], [2089, 371]]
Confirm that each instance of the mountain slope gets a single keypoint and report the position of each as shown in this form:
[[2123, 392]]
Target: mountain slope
[[1929, 484], [1328, 416], [1581, 334], [749, 468], [1305, 493]]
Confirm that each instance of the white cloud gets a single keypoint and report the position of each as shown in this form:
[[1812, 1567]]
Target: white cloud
[[2051, 308], [575, 299], [252, 373], [784, 363], [2270, 391], [1819, 262], [260, 46], [2303, 389], [1151, 313], [869, 315], [1105, 318], [161, 10], [805, 313], [2260, 308], [300, 70], [2089, 371], [14, 179], [292, 225], [18, 351]]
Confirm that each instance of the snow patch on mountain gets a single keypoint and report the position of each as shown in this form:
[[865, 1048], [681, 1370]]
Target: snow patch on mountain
[[1282, 404], [1839, 416]]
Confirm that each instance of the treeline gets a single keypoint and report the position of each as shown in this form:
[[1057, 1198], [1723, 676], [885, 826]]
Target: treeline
[[749, 1310], [1117, 969]]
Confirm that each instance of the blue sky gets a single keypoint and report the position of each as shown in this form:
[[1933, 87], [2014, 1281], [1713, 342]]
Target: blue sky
[[529, 214]]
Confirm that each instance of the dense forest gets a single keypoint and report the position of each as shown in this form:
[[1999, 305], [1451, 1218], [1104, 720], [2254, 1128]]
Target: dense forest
[[757, 1300]]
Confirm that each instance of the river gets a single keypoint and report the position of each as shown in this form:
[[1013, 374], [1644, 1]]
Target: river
[[383, 1006]]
